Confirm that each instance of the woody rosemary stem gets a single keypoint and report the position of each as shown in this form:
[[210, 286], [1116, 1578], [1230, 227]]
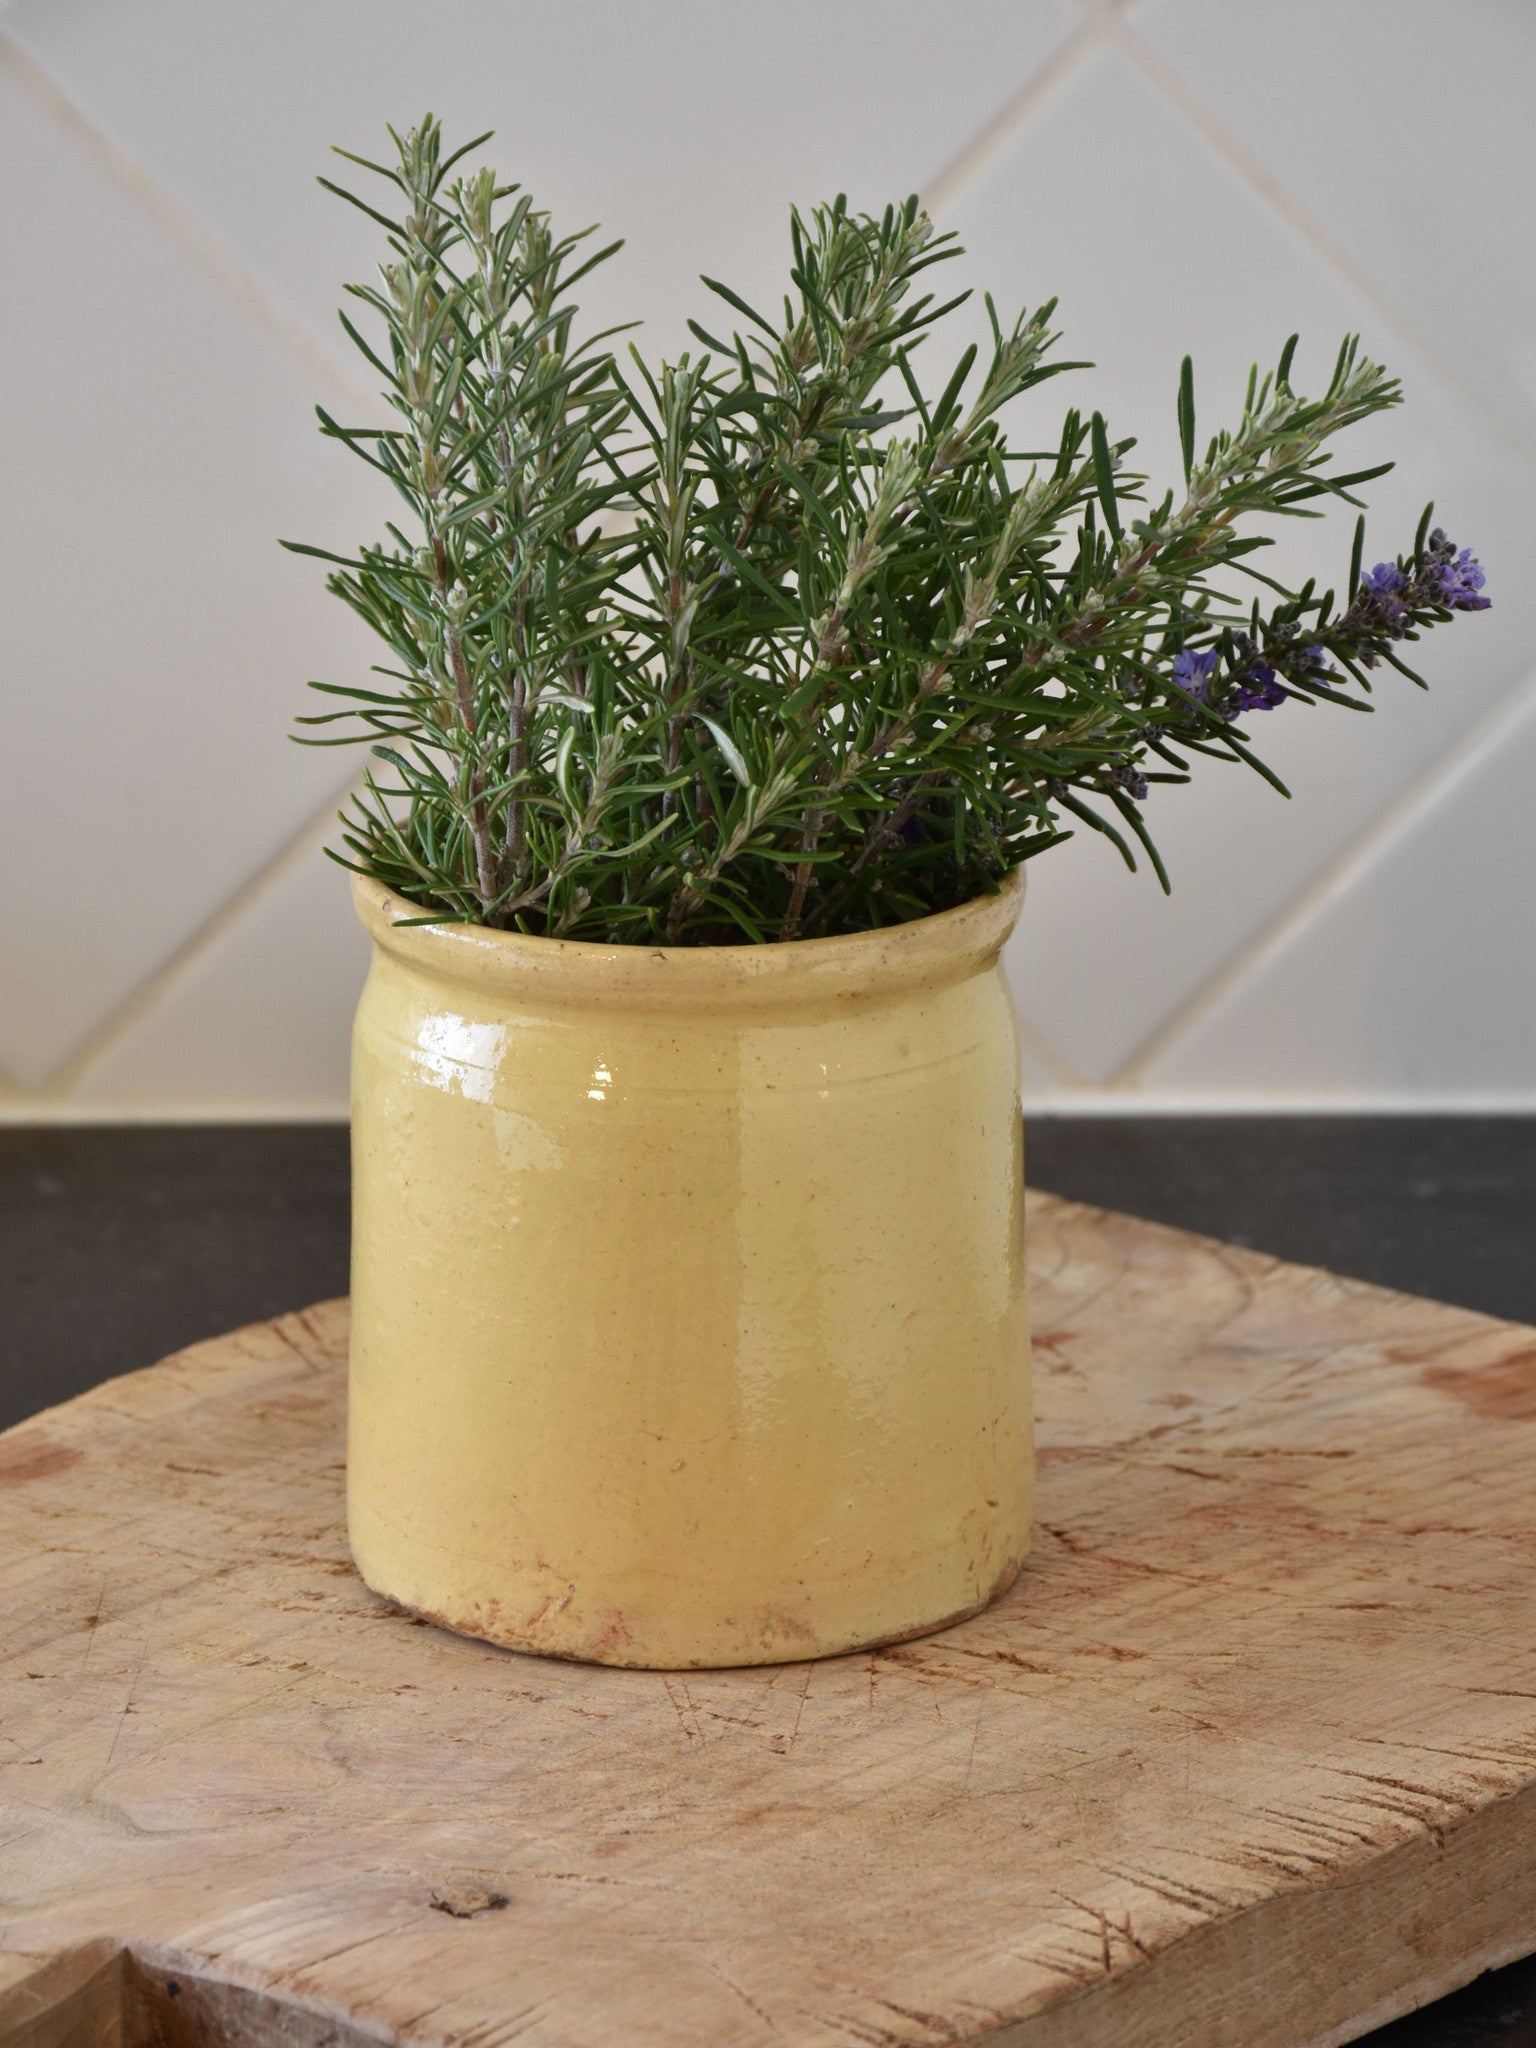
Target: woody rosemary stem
[[480, 823]]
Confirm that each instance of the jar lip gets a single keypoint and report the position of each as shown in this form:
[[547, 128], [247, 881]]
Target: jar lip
[[931, 951]]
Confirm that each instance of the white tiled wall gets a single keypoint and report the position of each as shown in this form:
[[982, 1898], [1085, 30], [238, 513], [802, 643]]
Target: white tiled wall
[[1186, 174]]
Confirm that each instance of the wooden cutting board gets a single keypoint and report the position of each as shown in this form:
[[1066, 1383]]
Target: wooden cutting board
[[1247, 1757]]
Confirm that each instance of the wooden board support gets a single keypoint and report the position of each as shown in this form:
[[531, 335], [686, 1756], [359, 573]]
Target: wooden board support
[[1248, 1756]]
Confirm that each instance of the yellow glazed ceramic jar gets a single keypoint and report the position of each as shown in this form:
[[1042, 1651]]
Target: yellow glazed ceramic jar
[[688, 1288]]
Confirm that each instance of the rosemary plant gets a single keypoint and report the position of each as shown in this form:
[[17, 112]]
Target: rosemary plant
[[765, 643]]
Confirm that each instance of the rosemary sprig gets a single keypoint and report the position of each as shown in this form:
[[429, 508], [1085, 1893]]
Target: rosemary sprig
[[766, 643]]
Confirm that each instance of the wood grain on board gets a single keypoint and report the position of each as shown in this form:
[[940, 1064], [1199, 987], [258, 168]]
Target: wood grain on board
[[1247, 1757]]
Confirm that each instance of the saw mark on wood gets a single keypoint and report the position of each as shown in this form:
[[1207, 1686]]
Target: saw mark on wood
[[91, 1623], [1108, 1928], [746, 1998], [1179, 1892], [805, 1693], [494, 2033], [689, 1721]]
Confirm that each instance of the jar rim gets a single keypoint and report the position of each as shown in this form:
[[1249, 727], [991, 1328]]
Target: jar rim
[[935, 951]]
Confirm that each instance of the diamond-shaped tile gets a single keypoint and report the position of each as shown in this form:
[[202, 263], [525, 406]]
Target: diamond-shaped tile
[[1413, 976], [156, 640], [258, 1023], [1404, 127], [1156, 247], [687, 129]]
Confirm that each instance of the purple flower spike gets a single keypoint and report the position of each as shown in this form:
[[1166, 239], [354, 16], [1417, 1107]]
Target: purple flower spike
[[1193, 671]]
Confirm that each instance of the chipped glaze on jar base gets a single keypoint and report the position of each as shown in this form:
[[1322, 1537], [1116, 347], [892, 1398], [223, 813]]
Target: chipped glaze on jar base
[[688, 1288]]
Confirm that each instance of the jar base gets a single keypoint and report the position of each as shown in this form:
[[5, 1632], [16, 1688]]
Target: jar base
[[629, 1655]]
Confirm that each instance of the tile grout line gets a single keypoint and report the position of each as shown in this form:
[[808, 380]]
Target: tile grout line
[[1159, 1102], [994, 136], [1165, 79], [55, 1112], [196, 239], [161, 980], [1090, 1102], [1339, 873]]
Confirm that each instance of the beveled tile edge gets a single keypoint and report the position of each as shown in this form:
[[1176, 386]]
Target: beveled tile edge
[[994, 136], [1195, 111], [184, 227], [1399, 818], [299, 846]]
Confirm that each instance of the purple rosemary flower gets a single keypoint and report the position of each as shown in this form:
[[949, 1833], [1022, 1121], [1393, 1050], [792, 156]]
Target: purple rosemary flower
[[1313, 664], [1255, 686], [1258, 688], [1386, 580], [1192, 671], [1460, 582], [1380, 610], [1287, 658], [1130, 779]]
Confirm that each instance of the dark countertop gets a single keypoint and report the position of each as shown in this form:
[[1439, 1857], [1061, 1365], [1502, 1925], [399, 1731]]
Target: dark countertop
[[119, 1245]]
